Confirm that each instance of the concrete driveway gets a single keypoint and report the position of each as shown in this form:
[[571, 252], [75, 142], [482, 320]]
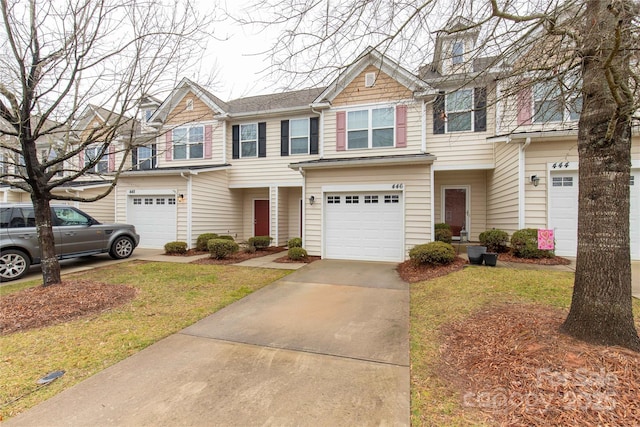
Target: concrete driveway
[[327, 345]]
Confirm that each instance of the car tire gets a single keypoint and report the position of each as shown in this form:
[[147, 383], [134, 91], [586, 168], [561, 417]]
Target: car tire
[[121, 248], [13, 264]]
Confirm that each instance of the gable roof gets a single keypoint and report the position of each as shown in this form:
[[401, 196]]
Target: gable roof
[[273, 103], [371, 56], [176, 95]]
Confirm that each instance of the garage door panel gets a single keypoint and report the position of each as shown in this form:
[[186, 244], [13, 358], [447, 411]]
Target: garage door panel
[[563, 209], [154, 218], [367, 228]]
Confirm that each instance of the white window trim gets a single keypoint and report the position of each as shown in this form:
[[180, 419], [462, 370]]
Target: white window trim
[[96, 167], [140, 160], [454, 57], [308, 137], [240, 140], [566, 112], [188, 143], [471, 111], [370, 127]]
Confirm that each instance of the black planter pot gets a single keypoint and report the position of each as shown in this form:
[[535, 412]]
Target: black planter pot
[[490, 259], [474, 253]]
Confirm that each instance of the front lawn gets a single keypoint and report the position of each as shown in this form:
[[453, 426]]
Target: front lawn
[[168, 298], [485, 351]]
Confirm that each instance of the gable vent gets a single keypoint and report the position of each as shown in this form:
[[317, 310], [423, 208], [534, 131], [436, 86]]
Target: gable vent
[[369, 79]]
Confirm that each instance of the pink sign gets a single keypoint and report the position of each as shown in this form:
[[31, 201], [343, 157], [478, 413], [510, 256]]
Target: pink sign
[[545, 240]]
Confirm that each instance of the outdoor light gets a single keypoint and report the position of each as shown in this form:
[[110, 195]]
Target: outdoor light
[[535, 180], [312, 200], [180, 198]]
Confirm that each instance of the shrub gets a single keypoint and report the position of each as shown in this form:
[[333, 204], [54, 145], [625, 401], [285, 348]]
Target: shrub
[[443, 235], [226, 237], [173, 248], [260, 242], [249, 249], [296, 242], [495, 240], [524, 244], [442, 226], [201, 241], [434, 253], [297, 253], [222, 248]]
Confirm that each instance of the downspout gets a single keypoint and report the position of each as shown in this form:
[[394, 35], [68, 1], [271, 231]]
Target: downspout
[[424, 126], [432, 203], [521, 183], [189, 208]]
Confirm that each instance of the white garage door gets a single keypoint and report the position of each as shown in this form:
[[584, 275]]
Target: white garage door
[[364, 226], [154, 217], [563, 208]]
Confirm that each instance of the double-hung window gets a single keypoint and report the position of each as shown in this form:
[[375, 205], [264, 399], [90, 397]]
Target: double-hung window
[[299, 136], [370, 128], [144, 158], [547, 102], [188, 143], [457, 52], [100, 163], [249, 140], [459, 110]]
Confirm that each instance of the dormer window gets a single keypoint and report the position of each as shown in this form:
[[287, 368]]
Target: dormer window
[[457, 52]]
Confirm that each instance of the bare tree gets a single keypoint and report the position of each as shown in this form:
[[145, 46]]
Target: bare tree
[[595, 40], [63, 62]]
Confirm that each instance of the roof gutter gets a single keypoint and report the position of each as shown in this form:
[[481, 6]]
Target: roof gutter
[[332, 164]]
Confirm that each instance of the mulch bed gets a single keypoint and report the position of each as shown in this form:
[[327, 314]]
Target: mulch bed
[[240, 256], [412, 272], [308, 260], [556, 260], [36, 307], [511, 363]]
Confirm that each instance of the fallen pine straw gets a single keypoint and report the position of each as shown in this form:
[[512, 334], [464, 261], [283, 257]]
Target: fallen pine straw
[[510, 362]]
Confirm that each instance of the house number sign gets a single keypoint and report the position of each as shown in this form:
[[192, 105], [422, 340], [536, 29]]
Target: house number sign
[[397, 186]]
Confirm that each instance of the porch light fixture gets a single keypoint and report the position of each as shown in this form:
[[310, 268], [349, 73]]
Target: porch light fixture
[[312, 200], [180, 198], [535, 180]]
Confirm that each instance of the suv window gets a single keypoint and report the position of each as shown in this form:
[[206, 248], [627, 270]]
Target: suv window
[[5, 216], [68, 216], [21, 217]]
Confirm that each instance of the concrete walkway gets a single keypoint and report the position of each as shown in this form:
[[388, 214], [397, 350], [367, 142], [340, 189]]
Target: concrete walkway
[[327, 345]]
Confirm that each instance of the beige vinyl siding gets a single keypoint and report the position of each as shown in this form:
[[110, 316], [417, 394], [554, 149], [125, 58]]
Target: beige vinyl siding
[[104, 210], [414, 136], [270, 170], [214, 208], [537, 156], [503, 183], [293, 204], [385, 89], [417, 200], [477, 183], [170, 183], [248, 196], [462, 149]]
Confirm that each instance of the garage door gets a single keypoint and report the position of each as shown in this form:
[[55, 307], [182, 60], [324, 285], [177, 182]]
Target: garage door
[[154, 218], [563, 208], [364, 226]]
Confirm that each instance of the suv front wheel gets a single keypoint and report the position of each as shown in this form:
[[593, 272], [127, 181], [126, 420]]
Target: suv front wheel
[[121, 248], [13, 264]]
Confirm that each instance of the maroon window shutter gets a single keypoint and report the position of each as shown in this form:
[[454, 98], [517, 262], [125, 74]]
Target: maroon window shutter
[[401, 126], [81, 158], [341, 131], [208, 134], [524, 106], [112, 158], [168, 152]]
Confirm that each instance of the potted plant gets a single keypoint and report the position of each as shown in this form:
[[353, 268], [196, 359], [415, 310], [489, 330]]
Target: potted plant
[[474, 253], [490, 258]]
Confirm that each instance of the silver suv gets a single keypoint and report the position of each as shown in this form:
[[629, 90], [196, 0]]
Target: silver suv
[[76, 234]]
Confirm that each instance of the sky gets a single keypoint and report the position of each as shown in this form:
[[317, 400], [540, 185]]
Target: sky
[[239, 58]]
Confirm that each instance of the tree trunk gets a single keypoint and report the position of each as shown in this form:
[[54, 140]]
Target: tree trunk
[[601, 308], [49, 262]]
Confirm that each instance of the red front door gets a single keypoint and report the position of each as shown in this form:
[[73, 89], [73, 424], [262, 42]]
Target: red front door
[[260, 217], [455, 209]]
